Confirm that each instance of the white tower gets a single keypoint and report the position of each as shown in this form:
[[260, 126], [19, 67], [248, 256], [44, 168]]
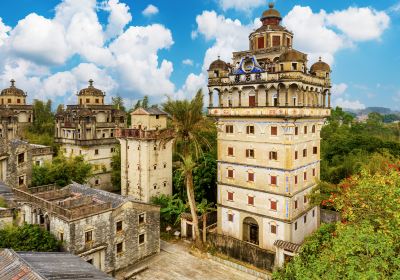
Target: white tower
[[146, 157]]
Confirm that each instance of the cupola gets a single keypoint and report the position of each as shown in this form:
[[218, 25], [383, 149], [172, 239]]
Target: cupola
[[271, 16]]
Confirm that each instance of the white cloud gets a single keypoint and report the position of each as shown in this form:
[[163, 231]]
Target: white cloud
[[187, 62], [192, 84], [311, 33], [323, 34], [228, 36], [118, 18], [360, 24], [120, 61], [4, 29], [150, 10], [137, 60], [241, 5], [395, 8], [39, 39], [339, 89], [348, 104]]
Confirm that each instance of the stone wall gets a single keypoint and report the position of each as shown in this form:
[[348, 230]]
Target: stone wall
[[242, 251], [329, 216]]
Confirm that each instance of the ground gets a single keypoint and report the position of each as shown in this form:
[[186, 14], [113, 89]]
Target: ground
[[176, 263]]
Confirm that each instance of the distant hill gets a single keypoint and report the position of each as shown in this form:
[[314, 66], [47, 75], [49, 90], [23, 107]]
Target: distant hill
[[366, 111]]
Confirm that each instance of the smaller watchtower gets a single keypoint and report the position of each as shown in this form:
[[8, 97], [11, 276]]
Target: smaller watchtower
[[146, 155]]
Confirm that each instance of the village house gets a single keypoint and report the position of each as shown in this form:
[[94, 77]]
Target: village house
[[107, 230]]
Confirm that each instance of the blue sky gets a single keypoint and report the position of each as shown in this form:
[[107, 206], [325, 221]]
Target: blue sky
[[132, 48]]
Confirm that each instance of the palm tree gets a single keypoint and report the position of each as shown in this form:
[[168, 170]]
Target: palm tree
[[188, 123]]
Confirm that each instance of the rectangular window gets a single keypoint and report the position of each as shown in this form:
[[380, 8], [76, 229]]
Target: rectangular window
[[273, 205], [61, 236], [294, 66], [141, 218], [313, 172], [296, 131], [273, 155], [18, 100], [97, 101], [260, 42], [21, 158], [295, 204], [250, 129], [295, 180], [230, 151], [273, 229], [250, 177], [89, 236], [295, 226], [87, 100], [112, 150], [315, 150], [230, 217], [250, 200], [276, 41], [118, 226], [313, 213], [305, 218], [313, 129], [305, 175], [96, 152], [230, 173], [305, 199], [230, 196], [274, 130], [304, 152], [141, 238], [273, 180], [250, 153], [305, 129], [229, 128], [21, 180], [119, 248], [296, 155]]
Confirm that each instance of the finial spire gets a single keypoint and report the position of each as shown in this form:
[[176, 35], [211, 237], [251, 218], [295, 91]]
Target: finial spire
[[271, 5], [320, 58], [90, 83], [219, 57], [12, 83]]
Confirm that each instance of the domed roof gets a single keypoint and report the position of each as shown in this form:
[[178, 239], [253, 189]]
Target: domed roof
[[219, 65], [91, 90], [13, 91], [320, 66], [292, 55], [271, 13]]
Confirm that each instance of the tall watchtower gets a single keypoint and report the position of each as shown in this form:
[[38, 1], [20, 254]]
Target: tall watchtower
[[146, 155], [270, 111]]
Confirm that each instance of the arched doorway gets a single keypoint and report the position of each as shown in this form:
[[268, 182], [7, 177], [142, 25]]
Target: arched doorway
[[250, 230]]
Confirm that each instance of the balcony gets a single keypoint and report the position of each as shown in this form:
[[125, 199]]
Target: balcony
[[282, 112], [144, 134]]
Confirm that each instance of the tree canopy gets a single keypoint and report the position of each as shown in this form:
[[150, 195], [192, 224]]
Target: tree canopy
[[366, 243], [28, 238], [62, 171]]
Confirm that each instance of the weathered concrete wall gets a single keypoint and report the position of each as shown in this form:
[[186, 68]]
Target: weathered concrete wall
[[329, 216], [242, 251]]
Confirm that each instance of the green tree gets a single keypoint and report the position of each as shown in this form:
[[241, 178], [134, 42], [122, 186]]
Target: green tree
[[116, 169], [118, 103], [62, 171], [28, 238], [366, 243], [171, 209], [188, 121]]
